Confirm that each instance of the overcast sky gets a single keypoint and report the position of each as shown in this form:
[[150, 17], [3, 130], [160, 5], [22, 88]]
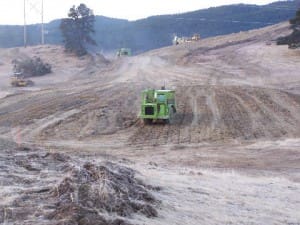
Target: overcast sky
[[11, 11]]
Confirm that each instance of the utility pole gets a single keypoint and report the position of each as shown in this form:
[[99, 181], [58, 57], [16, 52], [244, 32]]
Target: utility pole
[[42, 29], [38, 8], [25, 31]]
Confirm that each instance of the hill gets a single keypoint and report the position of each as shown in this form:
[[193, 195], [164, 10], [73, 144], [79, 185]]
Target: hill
[[226, 77], [157, 31]]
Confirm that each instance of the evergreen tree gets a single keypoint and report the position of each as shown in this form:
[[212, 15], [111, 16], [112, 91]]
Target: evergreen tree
[[77, 29], [295, 22], [295, 36], [293, 40]]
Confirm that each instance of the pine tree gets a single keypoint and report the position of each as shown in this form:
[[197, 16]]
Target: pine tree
[[292, 40], [77, 29], [295, 22]]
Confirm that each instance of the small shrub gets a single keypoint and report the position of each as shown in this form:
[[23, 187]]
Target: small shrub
[[31, 67]]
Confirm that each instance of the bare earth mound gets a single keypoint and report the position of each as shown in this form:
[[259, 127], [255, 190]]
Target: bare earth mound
[[67, 192]]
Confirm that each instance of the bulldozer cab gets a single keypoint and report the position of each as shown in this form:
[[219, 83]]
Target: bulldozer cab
[[17, 80], [124, 52], [157, 105]]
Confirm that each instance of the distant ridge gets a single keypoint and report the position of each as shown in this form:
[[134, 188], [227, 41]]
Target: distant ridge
[[157, 31]]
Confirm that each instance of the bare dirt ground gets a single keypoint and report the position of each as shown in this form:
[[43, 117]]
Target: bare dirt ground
[[232, 154]]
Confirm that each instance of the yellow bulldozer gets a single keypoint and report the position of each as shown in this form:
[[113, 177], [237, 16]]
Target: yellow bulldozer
[[18, 81]]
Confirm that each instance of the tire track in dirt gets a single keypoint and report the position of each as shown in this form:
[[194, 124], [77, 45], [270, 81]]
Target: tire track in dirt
[[281, 114], [233, 115], [214, 126], [258, 116], [205, 114], [276, 120], [187, 119], [214, 113]]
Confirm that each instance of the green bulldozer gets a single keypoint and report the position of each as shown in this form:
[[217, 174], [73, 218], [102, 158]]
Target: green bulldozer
[[124, 52], [158, 105]]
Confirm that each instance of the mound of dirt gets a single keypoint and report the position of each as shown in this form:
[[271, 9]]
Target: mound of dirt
[[107, 189], [40, 187], [65, 67]]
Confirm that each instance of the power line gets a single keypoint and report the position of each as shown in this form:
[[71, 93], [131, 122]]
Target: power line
[[25, 31], [40, 11]]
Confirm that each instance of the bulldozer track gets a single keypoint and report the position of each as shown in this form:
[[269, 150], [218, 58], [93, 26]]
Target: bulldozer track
[[205, 114], [213, 113]]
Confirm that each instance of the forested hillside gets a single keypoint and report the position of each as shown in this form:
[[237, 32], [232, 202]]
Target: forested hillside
[[157, 31]]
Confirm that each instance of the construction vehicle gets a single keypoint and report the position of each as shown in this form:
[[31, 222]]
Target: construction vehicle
[[196, 37], [18, 81], [158, 105], [180, 40], [124, 52]]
